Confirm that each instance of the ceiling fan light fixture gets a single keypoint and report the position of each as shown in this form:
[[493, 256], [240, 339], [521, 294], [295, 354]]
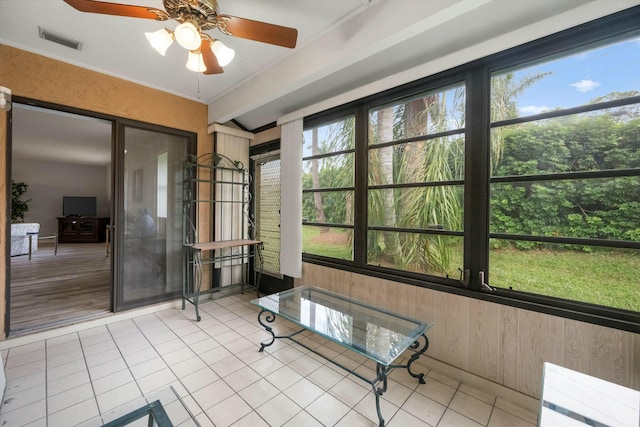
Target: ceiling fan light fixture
[[160, 40], [188, 36], [195, 61], [224, 53]]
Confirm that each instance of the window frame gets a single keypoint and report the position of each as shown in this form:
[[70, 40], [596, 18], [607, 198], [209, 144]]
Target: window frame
[[325, 119], [476, 76]]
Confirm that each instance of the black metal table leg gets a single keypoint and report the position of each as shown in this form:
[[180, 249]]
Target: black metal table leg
[[415, 357], [381, 376], [269, 318]]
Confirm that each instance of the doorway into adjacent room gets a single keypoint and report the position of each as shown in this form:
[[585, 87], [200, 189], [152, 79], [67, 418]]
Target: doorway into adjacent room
[[62, 158], [123, 249]]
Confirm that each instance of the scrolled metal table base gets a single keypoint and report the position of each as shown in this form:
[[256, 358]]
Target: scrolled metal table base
[[267, 317]]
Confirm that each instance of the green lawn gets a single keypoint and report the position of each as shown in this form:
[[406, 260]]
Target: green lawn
[[604, 277], [607, 278]]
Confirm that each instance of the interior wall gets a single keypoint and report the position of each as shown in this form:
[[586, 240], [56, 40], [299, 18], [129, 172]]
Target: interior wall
[[230, 222], [50, 181], [499, 343], [34, 76]]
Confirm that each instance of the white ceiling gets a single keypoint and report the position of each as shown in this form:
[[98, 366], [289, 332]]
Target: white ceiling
[[342, 45]]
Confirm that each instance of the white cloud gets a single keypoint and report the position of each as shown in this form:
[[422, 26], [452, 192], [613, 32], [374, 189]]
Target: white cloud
[[534, 109], [585, 85]]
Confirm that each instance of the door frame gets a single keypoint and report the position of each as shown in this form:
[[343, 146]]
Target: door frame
[[117, 140], [118, 192]]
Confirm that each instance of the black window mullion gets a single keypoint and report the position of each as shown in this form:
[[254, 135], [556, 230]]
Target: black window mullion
[[361, 186], [477, 168]]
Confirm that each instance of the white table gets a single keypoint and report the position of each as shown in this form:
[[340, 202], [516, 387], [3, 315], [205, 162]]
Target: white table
[[571, 398]]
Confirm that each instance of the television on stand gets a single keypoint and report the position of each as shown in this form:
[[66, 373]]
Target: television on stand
[[79, 206]]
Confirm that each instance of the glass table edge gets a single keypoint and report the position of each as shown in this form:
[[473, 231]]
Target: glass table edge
[[420, 329]]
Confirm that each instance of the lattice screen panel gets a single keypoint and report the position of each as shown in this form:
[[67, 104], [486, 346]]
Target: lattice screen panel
[[267, 178]]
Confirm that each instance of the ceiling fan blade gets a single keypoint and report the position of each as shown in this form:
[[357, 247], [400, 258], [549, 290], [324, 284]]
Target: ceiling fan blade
[[209, 58], [118, 9], [258, 31]]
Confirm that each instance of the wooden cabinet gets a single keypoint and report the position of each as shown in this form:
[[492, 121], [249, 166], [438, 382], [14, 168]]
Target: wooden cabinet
[[82, 229]]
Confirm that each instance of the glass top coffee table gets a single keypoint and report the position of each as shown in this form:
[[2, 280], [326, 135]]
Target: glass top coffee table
[[377, 334]]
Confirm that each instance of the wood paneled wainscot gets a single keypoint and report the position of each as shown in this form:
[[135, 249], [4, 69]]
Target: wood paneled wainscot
[[493, 346]]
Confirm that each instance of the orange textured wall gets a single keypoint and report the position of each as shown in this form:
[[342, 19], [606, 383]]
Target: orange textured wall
[[35, 76]]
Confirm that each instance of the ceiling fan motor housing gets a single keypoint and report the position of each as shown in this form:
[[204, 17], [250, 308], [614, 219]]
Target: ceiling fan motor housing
[[203, 12]]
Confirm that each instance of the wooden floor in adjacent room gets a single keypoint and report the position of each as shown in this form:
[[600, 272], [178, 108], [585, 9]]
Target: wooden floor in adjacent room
[[53, 290]]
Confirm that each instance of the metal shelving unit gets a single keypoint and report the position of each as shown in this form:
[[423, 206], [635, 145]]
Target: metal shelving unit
[[222, 254]]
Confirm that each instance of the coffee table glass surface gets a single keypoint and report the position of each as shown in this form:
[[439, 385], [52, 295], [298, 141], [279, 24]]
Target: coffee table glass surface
[[373, 332]]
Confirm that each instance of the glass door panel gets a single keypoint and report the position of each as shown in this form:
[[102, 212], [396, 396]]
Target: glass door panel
[[149, 230]]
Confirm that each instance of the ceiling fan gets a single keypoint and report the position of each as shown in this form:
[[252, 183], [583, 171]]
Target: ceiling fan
[[206, 54]]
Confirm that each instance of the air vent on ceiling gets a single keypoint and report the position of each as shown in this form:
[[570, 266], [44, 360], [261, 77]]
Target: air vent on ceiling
[[44, 34]]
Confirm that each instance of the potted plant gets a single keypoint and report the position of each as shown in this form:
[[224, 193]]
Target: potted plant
[[18, 206]]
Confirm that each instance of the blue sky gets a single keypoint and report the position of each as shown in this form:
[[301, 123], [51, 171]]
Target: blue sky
[[579, 78], [574, 80]]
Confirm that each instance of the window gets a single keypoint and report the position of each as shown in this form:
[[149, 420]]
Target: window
[[415, 183], [515, 178], [328, 189], [565, 176]]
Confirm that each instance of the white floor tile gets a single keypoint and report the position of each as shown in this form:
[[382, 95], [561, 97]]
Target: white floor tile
[[516, 410], [283, 378], [327, 409], [258, 393], [212, 394], [471, 407], [143, 369], [424, 408], [27, 414], [74, 415], [242, 378], [156, 380], [67, 383], [355, 419], [215, 355], [186, 367], [350, 392], [435, 390], [225, 381], [108, 368], [24, 383], [303, 419], [112, 381], [227, 366], [118, 397], [403, 419], [199, 379], [228, 411], [325, 377], [66, 369], [304, 392], [24, 398], [69, 398], [279, 410], [452, 418], [102, 357], [500, 418], [266, 365]]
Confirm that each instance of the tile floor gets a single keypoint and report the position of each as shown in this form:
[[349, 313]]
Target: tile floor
[[93, 376]]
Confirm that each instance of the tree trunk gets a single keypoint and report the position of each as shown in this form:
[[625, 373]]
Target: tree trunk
[[315, 177], [385, 134]]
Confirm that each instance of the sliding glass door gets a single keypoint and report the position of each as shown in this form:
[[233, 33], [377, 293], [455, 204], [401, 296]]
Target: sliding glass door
[[148, 223]]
